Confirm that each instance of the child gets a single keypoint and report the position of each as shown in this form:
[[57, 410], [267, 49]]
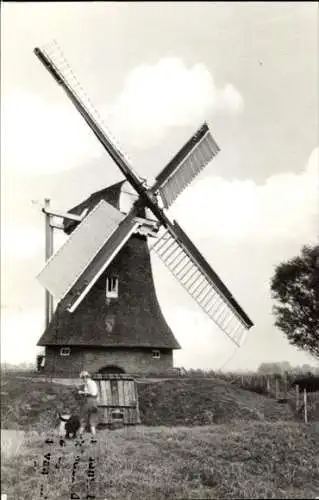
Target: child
[[89, 404]]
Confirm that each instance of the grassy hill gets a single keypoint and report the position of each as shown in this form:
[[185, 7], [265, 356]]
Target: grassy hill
[[205, 401], [31, 403], [200, 438]]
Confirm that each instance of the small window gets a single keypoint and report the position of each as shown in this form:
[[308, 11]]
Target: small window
[[117, 416], [112, 287], [109, 323], [65, 351], [156, 354]]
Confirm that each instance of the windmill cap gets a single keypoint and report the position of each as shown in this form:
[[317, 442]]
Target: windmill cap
[[84, 374]]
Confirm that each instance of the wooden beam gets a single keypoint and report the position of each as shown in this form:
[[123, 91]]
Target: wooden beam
[[48, 254], [56, 226], [147, 227], [64, 215], [149, 222]]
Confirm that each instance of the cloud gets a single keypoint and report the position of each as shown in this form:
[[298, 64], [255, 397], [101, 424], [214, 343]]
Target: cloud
[[284, 207], [40, 137], [168, 94]]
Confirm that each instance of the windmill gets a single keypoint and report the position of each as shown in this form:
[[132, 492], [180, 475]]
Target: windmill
[[100, 232]]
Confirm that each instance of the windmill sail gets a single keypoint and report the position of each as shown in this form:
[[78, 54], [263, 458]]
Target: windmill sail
[[186, 165], [100, 262], [61, 71], [190, 268], [65, 267]]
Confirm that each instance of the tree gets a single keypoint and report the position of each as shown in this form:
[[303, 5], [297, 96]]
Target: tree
[[295, 287]]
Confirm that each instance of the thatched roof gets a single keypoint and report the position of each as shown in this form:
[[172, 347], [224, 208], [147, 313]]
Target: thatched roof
[[111, 194]]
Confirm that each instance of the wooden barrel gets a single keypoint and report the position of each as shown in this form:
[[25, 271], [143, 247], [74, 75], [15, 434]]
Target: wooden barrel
[[118, 399]]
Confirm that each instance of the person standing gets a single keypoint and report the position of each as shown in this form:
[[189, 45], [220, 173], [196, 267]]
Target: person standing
[[89, 407]]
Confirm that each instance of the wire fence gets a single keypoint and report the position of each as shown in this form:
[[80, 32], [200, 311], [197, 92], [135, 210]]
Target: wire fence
[[299, 391]]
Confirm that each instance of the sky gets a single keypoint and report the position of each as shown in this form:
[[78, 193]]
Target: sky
[[156, 72]]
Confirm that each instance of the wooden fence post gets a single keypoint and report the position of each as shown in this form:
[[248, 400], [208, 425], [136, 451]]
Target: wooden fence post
[[297, 397], [277, 388], [286, 384], [268, 386], [305, 405]]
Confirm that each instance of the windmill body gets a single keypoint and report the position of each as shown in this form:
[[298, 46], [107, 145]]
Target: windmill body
[[119, 326], [107, 313]]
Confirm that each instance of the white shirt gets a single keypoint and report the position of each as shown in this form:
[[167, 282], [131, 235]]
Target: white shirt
[[90, 387]]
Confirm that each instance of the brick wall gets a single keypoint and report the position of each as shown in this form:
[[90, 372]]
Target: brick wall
[[137, 361]]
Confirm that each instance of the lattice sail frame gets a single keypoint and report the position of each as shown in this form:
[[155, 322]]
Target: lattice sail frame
[[186, 165], [202, 286], [63, 68]]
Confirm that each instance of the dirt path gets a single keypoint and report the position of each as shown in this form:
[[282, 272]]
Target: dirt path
[[74, 381], [11, 442]]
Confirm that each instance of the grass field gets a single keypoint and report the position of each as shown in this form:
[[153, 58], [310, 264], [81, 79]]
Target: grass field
[[244, 460], [208, 439]]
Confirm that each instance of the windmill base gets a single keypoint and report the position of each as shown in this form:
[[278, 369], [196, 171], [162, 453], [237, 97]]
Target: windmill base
[[116, 360]]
